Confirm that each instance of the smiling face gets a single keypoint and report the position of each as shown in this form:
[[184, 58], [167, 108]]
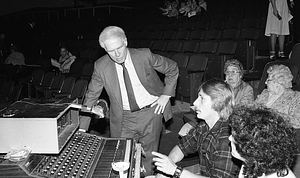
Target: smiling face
[[116, 49], [233, 149], [233, 76], [203, 106]]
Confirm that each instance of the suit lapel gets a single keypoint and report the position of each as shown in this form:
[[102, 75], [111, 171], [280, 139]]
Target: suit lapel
[[138, 66], [112, 78]]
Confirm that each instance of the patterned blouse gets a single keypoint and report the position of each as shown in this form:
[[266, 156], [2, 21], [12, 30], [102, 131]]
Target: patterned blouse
[[288, 105]]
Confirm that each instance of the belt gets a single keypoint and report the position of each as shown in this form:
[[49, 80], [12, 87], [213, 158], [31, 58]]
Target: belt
[[145, 107]]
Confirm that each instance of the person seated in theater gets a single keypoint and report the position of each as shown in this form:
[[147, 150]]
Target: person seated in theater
[[166, 9], [174, 11], [185, 8], [264, 141], [15, 57], [209, 138], [65, 60], [280, 97], [201, 7], [243, 92]]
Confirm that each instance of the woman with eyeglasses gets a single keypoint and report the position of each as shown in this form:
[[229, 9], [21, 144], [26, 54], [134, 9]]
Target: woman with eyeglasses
[[280, 97], [243, 92], [264, 141]]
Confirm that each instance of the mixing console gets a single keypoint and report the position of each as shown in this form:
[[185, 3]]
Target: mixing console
[[84, 156]]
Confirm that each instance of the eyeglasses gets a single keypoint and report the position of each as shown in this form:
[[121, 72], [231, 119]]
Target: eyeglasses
[[234, 72], [270, 80]]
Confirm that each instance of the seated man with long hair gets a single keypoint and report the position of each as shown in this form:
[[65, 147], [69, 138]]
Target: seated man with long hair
[[209, 138]]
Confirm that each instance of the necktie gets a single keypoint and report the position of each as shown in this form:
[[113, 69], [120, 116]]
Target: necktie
[[130, 94]]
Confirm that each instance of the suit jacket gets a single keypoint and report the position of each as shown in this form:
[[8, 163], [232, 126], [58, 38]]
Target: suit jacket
[[146, 64]]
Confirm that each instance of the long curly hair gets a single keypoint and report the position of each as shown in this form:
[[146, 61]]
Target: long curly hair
[[264, 140]]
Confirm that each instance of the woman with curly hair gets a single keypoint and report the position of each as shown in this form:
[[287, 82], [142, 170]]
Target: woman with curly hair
[[264, 141], [280, 97]]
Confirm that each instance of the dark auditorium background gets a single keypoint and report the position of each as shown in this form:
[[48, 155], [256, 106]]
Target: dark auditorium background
[[10, 6], [199, 44]]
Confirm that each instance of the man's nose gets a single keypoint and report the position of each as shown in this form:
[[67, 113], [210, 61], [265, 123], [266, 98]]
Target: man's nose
[[117, 53]]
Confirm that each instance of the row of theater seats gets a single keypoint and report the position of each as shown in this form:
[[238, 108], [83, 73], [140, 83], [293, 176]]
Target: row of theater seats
[[229, 45], [192, 72], [231, 33], [241, 49], [85, 50], [32, 82], [237, 10], [196, 35], [183, 41], [48, 84], [141, 31], [10, 92], [167, 48], [202, 24]]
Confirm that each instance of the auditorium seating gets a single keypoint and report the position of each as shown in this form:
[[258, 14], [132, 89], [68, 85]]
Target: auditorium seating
[[262, 85], [6, 90], [56, 85], [76, 92], [46, 82], [14, 96], [65, 89], [231, 21]]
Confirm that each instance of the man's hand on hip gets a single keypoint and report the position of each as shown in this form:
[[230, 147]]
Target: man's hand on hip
[[161, 103]]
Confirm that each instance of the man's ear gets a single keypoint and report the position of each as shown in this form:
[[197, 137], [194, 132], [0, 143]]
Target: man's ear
[[125, 42]]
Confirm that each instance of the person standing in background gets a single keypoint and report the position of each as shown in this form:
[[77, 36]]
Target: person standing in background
[[277, 25]]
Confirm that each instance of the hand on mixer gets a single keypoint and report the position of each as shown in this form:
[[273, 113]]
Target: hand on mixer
[[100, 108]]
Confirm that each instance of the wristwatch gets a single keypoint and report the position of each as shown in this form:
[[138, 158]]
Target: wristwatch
[[177, 172]]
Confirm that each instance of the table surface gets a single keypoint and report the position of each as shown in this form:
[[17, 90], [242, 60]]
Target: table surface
[[36, 108]]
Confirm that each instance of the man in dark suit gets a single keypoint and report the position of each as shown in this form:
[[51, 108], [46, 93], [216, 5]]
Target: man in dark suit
[[151, 95]]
